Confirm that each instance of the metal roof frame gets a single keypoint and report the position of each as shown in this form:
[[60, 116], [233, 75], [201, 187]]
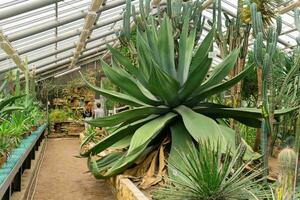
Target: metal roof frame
[[57, 38]]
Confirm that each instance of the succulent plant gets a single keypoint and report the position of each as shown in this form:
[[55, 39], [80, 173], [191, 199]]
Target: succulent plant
[[287, 159], [168, 91]]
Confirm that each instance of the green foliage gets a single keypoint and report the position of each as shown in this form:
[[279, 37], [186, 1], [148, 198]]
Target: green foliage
[[58, 115], [170, 85], [18, 114], [248, 134], [283, 63], [209, 174]]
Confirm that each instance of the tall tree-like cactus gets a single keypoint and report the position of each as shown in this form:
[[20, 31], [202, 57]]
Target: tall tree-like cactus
[[263, 54], [236, 35], [297, 149]]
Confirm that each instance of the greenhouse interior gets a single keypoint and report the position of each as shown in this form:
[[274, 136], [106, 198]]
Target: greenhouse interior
[[149, 99]]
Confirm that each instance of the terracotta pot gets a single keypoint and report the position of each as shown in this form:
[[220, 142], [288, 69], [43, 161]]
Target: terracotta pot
[[2, 160]]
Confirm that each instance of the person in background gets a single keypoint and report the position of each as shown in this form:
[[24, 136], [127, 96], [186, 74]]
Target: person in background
[[98, 112], [88, 114]]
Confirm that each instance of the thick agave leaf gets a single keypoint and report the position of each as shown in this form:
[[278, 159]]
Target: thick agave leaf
[[99, 167], [203, 128], [202, 52], [145, 61], [221, 71], [228, 112], [199, 126], [200, 66], [126, 83], [136, 113], [115, 96], [166, 47], [229, 135], [215, 89], [181, 141], [126, 63], [123, 143], [194, 81], [116, 136], [226, 85], [149, 131], [164, 86], [139, 142], [152, 41], [186, 46]]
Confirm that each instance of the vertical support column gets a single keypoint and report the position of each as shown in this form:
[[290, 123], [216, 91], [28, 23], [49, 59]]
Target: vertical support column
[[32, 154], [16, 185], [56, 28], [7, 195]]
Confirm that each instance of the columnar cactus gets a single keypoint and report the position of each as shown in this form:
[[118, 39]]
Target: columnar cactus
[[263, 54], [287, 161]]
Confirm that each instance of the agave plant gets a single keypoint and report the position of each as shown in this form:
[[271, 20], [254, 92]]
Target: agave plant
[[168, 87], [209, 174]]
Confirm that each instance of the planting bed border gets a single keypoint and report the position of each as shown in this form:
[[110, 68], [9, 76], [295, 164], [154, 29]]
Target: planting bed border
[[18, 161], [123, 188]]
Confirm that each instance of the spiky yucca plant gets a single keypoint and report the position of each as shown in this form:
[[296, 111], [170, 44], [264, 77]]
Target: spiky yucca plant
[[169, 86], [210, 175]]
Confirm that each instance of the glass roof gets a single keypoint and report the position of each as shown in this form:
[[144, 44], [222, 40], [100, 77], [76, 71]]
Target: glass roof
[[47, 36]]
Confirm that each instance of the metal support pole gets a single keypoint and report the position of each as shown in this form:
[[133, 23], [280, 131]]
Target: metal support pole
[[64, 37], [7, 195], [53, 24], [16, 185], [87, 29], [26, 6]]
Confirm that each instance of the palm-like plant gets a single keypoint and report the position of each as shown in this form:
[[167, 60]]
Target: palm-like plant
[[210, 175], [168, 90]]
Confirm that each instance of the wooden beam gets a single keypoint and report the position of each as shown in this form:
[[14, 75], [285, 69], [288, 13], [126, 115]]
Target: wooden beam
[[289, 7], [10, 51], [90, 20], [206, 4]]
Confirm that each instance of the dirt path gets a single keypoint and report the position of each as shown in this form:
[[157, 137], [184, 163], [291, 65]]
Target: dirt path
[[62, 176]]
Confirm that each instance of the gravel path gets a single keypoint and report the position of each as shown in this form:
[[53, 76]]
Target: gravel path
[[63, 176]]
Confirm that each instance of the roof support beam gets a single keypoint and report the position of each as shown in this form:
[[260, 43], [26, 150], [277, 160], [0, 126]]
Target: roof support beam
[[53, 24], [63, 37], [81, 62], [290, 7], [89, 22], [84, 59], [26, 6], [105, 34], [11, 52], [206, 4], [71, 53]]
